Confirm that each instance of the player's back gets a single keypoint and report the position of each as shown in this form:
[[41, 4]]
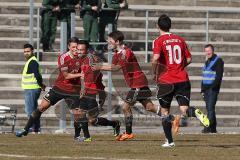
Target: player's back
[[173, 54]]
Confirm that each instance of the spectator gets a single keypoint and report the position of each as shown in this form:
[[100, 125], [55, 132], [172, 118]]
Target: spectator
[[49, 13], [89, 13], [110, 16], [32, 84], [67, 7], [211, 83]]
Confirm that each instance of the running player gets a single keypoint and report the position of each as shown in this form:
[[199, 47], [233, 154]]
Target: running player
[[67, 86], [88, 103], [171, 50], [125, 60]]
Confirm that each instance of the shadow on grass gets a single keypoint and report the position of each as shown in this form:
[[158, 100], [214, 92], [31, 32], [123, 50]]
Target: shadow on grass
[[206, 145]]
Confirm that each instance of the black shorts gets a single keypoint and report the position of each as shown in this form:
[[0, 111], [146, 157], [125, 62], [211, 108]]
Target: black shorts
[[54, 96], [89, 104], [138, 94], [181, 91]]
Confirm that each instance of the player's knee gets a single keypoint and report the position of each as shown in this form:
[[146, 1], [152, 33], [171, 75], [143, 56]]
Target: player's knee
[[126, 108], [183, 110], [44, 105], [149, 106], [164, 111]]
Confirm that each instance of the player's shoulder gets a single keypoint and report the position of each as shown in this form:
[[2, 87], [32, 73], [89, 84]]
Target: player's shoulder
[[127, 51], [178, 37], [64, 57], [157, 39]]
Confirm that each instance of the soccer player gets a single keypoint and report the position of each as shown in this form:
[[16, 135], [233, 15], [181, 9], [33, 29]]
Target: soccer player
[[67, 86], [125, 60], [88, 103], [171, 50]]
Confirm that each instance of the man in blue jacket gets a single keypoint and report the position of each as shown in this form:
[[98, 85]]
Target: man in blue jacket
[[211, 83]]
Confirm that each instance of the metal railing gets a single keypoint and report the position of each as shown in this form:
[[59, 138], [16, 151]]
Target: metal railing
[[206, 10]]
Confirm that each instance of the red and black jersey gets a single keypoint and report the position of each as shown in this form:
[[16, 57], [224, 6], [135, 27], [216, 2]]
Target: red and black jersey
[[132, 72], [91, 78], [173, 53], [69, 64]]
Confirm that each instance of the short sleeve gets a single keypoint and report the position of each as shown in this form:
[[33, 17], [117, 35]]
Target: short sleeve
[[62, 64], [156, 47]]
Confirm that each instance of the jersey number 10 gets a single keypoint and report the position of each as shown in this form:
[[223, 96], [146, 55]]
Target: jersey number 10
[[174, 54]]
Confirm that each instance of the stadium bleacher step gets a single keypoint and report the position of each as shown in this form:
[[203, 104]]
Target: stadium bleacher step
[[220, 3], [189, 21]]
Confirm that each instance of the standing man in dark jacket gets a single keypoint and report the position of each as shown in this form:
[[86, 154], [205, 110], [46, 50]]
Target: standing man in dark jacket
[[67, 7], [211, 83], [110, 16], [49, 12]]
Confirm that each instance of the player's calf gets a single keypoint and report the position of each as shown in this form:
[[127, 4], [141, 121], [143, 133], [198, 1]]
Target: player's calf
[[167, 127], [33, 118]]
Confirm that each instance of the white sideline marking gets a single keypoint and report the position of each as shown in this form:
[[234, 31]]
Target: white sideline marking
[[57, 157]]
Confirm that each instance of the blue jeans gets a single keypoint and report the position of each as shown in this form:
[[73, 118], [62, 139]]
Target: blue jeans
[[210, 98], [31, 103]]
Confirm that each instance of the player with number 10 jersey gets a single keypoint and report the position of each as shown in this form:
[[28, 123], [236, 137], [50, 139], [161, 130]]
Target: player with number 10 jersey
[[173, 53]]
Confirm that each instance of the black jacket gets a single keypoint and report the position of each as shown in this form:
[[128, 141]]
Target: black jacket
[[33, 67]]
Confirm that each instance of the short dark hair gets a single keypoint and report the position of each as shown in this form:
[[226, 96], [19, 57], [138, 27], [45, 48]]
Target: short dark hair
[[209, 45], [73, 40], [85, 42], [27, 45], [164, 23], [117, 36]]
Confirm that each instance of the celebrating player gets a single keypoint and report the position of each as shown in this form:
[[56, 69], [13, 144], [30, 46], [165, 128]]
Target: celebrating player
[[88, 103], [171, 50], [125, 60], [67, 86]]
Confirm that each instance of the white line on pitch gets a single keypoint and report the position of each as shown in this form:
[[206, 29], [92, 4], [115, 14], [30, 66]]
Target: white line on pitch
[[57, 157]]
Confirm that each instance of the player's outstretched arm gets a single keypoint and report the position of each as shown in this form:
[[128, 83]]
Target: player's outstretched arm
[[106, 67], [71, 75]]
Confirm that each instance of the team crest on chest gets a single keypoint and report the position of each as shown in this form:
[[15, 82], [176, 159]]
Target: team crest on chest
[[77, 64]]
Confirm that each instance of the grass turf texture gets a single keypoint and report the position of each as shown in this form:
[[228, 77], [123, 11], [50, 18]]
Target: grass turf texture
[[103, 146]]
